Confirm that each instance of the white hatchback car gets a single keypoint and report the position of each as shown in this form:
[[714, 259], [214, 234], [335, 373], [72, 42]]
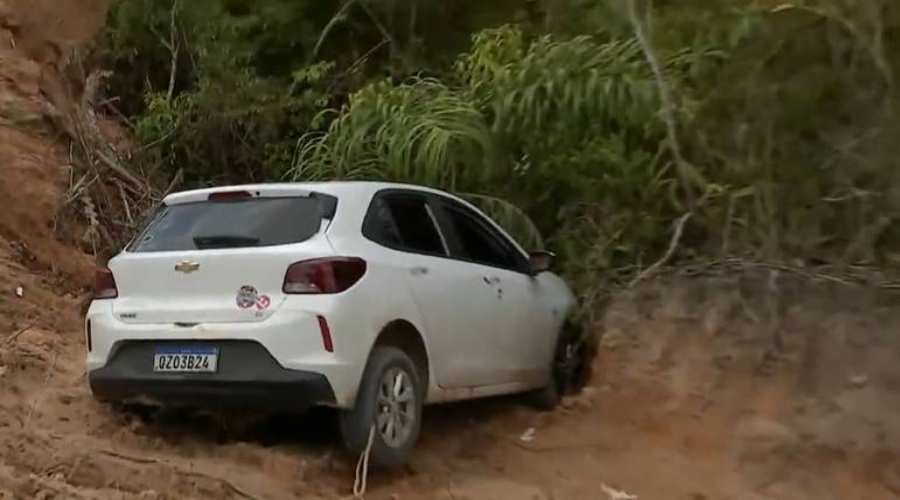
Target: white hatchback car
[[372, 298]]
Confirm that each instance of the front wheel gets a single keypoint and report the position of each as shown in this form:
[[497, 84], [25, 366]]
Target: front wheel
[[569, 370], [388, 406]]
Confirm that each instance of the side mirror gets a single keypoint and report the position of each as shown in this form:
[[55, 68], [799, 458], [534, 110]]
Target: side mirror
[[541, 261]]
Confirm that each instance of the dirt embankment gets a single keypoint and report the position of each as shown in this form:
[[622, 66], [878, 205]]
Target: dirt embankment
[[705, 389], [788, 388], [41, 277], [742, 386], [749, 385]]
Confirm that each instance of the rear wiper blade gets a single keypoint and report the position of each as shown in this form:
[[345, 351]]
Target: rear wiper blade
[[224, 241]]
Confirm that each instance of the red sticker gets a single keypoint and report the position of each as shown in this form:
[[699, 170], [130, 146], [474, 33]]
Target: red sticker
[[263, 302]]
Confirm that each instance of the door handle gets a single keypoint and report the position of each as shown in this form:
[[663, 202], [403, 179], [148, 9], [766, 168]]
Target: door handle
[[418, 271], [491, 280]]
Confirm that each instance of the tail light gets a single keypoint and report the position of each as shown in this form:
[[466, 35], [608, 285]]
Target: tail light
[[323, 276], [229, 196], [105, 285]]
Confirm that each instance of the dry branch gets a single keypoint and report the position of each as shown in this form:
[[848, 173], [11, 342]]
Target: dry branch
[[40, 394], [115, 197], [156, 461], [665, 96], [125, 203], [176, 180], [12, 338], [134, 184], [838, 275], [174, 48], [673, 244]]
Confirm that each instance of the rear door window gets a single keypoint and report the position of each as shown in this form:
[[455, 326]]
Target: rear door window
[[404, 221], [475, 240], [255, 222]]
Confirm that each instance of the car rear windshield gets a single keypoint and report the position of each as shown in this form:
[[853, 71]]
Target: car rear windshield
[[254, 222]]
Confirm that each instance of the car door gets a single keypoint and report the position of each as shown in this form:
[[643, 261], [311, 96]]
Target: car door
[[520, 327], [455, 307]]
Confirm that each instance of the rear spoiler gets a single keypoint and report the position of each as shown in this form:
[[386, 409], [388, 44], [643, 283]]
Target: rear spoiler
[[327, 205]]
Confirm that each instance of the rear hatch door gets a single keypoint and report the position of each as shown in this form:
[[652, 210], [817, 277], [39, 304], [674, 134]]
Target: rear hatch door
[[218, 260]]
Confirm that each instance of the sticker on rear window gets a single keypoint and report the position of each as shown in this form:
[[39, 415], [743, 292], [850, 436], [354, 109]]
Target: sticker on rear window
[[247, 297]]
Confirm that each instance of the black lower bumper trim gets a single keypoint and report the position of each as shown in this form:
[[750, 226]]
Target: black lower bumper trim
[[248, 377]]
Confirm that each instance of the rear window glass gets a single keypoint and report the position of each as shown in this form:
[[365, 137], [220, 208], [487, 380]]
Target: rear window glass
[[253, 222]]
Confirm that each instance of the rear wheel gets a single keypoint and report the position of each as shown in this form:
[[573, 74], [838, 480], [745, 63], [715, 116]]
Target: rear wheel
[[569, 371], [388, 406]]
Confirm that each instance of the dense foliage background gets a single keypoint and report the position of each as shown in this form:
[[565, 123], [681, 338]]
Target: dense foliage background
[[774, 124]]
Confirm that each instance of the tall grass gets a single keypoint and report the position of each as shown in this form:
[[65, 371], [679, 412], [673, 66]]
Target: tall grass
[[569, 130], [420, 131]]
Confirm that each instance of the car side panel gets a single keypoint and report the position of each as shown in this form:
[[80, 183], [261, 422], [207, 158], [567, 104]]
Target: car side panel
[[527, 326], [454, 304], [457, 306], [530, 311], [385, 298], [512, 336]]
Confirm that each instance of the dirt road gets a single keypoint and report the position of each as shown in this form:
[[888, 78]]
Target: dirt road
[[688, 403], [706, 388]]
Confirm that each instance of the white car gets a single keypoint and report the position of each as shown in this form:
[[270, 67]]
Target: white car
[[372, 298]]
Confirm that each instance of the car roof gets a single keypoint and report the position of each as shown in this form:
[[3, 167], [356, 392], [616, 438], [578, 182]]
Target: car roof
[[340, 189]]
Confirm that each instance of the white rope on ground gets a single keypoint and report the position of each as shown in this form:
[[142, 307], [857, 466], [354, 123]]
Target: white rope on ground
[[362, 467]]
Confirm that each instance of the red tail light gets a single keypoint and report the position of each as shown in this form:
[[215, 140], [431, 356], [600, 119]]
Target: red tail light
[[105, 285], [323, 276], [229, 196]]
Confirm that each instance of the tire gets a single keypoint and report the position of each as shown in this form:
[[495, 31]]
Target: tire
[[545, 399], [394, 436], [569, 370]]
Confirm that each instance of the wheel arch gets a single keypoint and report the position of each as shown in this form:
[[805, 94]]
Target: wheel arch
[[404, 335]]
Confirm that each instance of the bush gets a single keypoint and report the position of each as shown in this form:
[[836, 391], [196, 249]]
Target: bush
[[785, 114]]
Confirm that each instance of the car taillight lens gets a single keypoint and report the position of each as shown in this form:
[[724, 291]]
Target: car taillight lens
[[323, 276], [229, 196], [105, 285]]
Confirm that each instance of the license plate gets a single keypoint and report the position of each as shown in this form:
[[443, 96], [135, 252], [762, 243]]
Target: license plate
[[186, 359]]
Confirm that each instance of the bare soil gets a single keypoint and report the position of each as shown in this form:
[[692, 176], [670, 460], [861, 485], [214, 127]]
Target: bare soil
[[739, 385]]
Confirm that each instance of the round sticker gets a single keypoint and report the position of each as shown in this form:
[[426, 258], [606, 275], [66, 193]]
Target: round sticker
[[263, 302], [246, 297]]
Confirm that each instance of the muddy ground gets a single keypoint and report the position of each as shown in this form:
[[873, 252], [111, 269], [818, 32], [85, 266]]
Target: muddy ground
[[732, 384]]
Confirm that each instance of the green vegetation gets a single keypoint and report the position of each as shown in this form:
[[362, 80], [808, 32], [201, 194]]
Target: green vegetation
[[775, 124]]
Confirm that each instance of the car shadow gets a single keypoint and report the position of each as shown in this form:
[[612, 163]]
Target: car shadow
[[314, 429], [447, 428]]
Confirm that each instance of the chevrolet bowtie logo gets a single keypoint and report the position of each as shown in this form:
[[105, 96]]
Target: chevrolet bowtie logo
[[187, 267]]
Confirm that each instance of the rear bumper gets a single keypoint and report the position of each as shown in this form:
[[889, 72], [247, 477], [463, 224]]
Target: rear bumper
[[248, 377], [291, 336]]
